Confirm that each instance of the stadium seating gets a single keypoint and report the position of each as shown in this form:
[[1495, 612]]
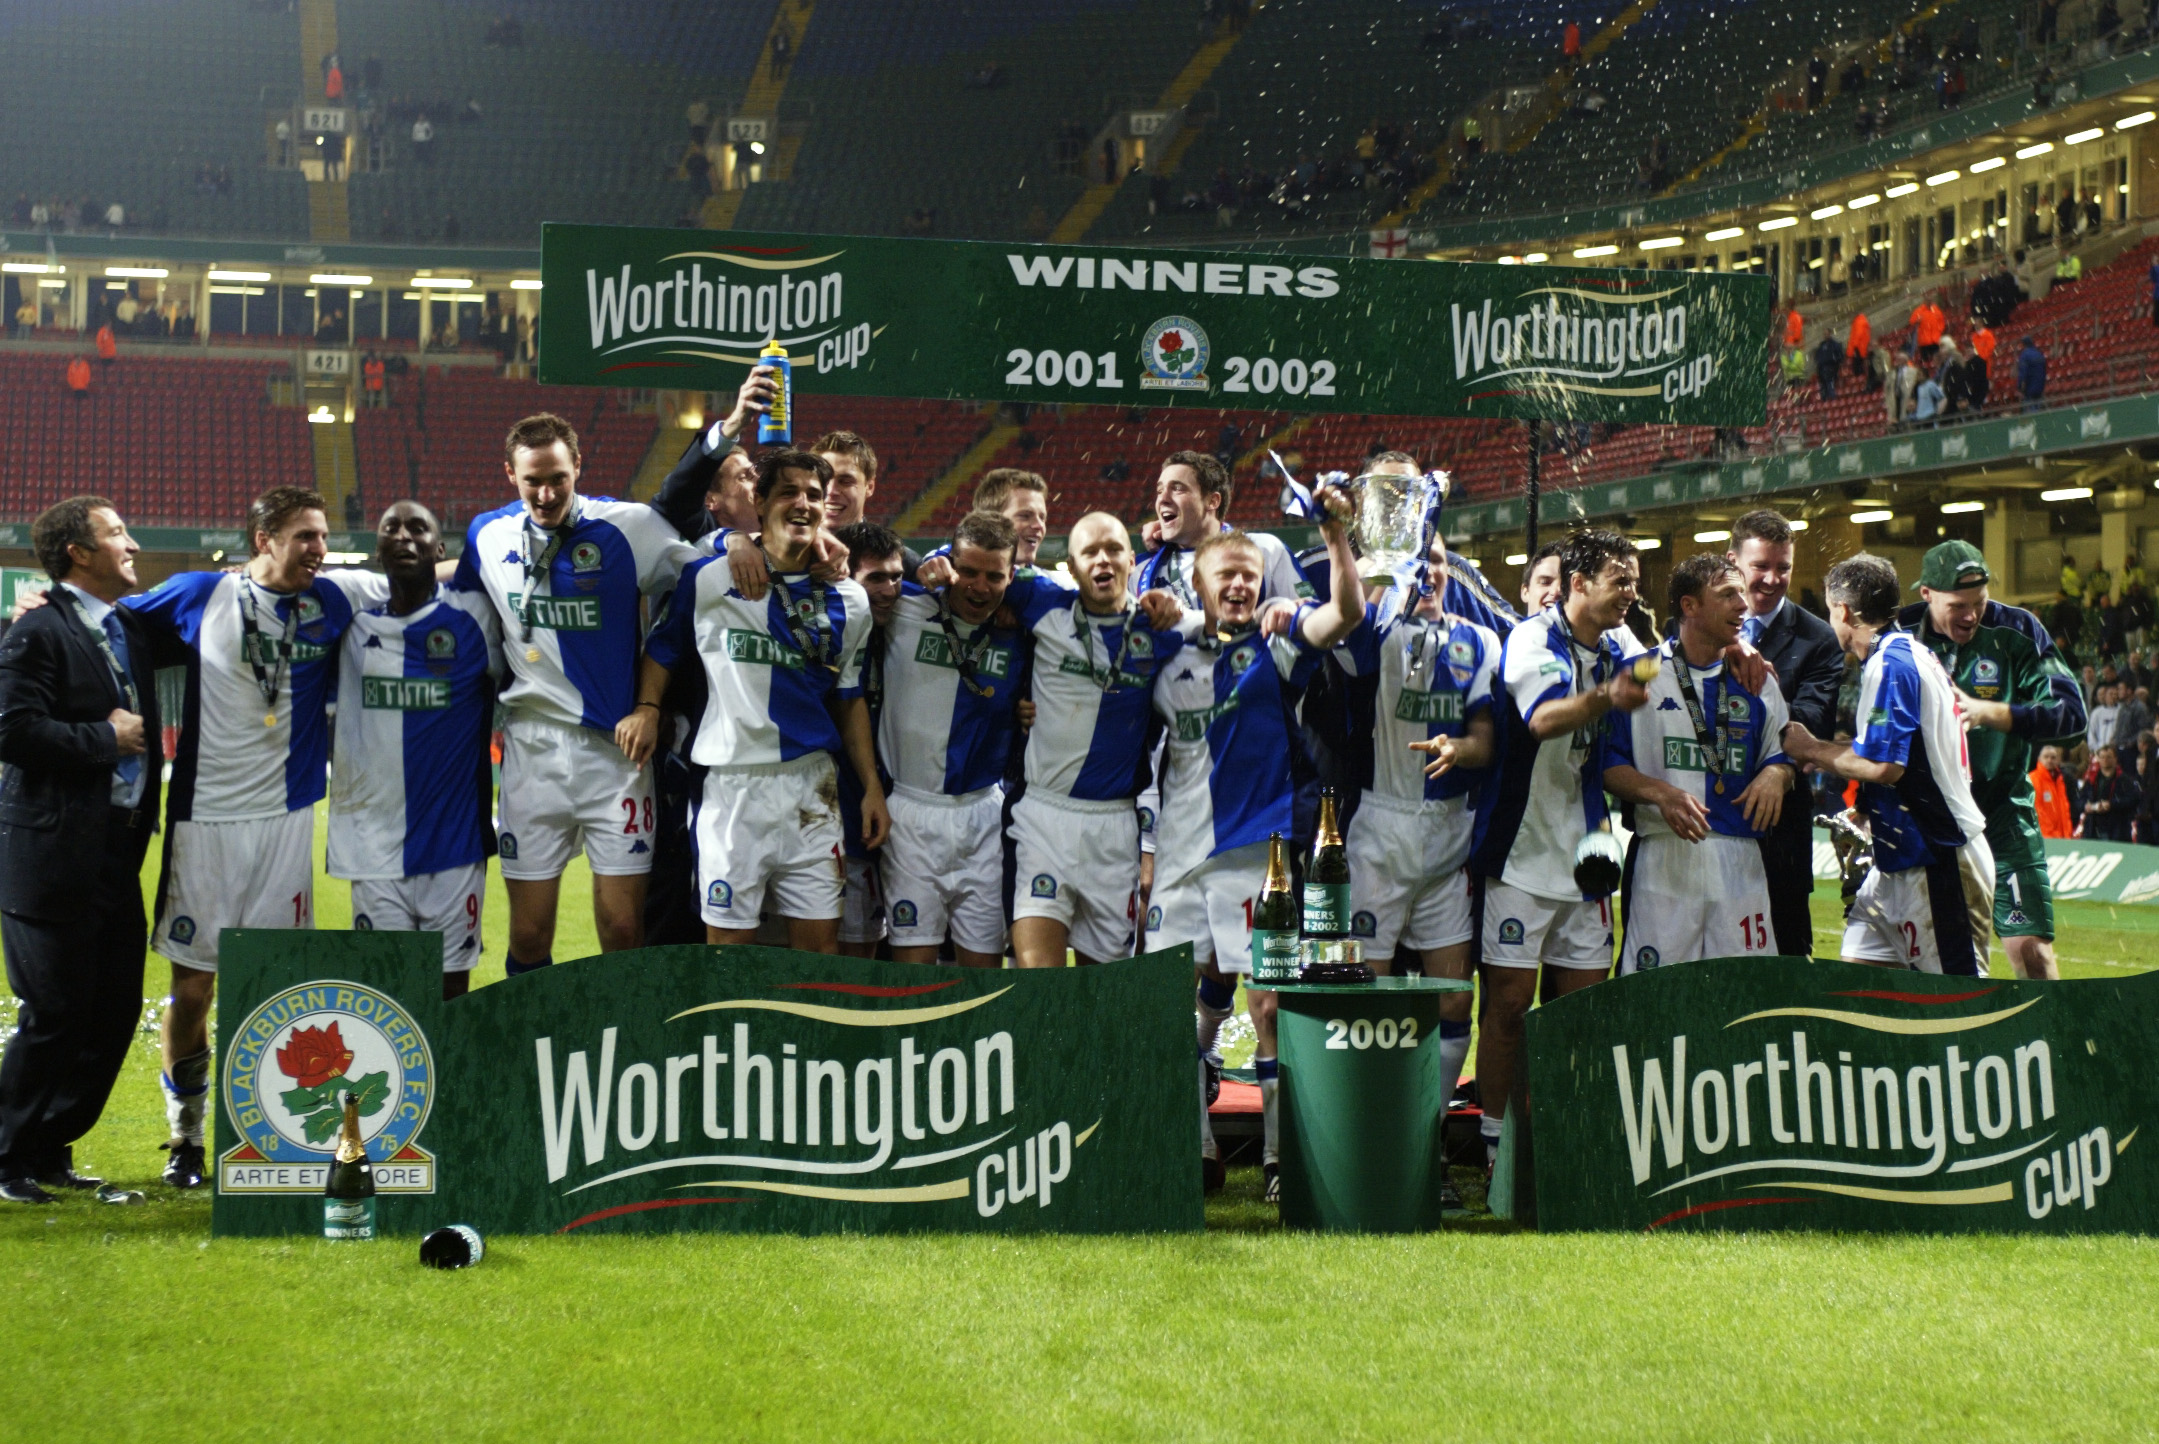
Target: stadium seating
[[122, 100], [170, 441]]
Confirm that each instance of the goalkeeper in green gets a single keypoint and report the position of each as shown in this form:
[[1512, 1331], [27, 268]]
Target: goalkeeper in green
[[2020, 696]]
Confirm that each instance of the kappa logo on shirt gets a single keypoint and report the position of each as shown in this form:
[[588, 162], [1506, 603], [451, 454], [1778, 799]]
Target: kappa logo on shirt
[[1669, 704]]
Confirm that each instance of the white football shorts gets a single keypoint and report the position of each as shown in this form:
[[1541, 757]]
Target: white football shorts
[[1078, 863], [1521, 930], [566, 789], [1407, 885], [1915, 918], [1689, 900], [257, 872], [944, 869], [1210, 907], [769, 830], [448, 902]]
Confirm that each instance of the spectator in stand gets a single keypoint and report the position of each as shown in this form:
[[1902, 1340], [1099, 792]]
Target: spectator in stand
[[2068, 270], [1795, 328], [78, 377], [1794, 369], [333, 82], [2094, 214], [1949, 375], [2111, 799], [1817, 80], [1840, 274], [25, 317], [2031, 373], [1828, 360], [1928, 403], [1570, 45], [2053, 795], [1927, 325], [371, 382], [108, 347], [2135, 720], [1860, 347], [2099, 728], [423, 139], [2065, 217], [1978, 380], [2153, 277]]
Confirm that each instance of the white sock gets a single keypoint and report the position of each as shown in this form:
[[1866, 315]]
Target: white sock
[[187, 1095], [1490, 1127], [1453, 1053], [1207, 1148], [1270, 1142]]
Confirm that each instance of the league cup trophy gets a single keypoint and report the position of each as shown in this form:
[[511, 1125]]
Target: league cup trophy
[[1395, 519]]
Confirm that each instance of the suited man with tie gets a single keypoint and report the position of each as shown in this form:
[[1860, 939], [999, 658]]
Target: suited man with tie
[[78, 803], [1810, 670]]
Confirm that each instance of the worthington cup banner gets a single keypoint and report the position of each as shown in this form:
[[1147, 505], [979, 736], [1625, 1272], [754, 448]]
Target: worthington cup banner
[[871, 316], [1782, 1093], [705, 1088]]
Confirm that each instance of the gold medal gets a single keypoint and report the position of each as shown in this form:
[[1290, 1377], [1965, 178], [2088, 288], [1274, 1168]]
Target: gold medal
[[532, 654], [269, 719], [1720, 787]]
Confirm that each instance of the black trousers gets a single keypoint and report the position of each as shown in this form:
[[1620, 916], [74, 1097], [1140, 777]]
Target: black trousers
[[672, 914], [80, 985], [1788, 860]]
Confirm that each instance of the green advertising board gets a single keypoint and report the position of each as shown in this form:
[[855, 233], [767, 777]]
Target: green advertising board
[[14, 581], [699, 1088], [1781, 1093], [2080, 869], [875, 316]]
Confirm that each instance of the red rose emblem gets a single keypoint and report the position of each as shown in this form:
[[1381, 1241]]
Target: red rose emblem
[[1170, 344], [311, 1057]]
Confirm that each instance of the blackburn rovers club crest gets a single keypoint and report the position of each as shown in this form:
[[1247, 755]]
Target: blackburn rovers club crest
[[1139, 644], [1173, 354], [585, 557], [507, 846], [1736, 708], [719, 896], [903, 914], [1154, 918], [1364, 925], [1647, 958], [1510, 930], [287, 1072], [441, 643], [1461, 661], [310, 610], [1986, 678], [182, 930], [1043, 886], [1242, 658]]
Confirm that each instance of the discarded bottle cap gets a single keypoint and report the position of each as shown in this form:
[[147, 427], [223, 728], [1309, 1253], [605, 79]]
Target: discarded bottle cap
[[456, 1247]]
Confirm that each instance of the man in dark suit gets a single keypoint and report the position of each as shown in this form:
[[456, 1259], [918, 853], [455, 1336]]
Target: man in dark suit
[[1810, 670], [78, 803]]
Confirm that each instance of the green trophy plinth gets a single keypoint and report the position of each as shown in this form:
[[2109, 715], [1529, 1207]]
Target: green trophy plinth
[[1362, 1104]]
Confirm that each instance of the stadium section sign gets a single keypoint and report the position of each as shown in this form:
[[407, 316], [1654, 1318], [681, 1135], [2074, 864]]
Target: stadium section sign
[[868, 316], [688, 1088], [1783, 1093]]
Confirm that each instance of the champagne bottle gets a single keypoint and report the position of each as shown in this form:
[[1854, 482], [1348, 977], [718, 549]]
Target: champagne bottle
[[348, 1198], [1275, 921], [777, 426], [1326, 877]]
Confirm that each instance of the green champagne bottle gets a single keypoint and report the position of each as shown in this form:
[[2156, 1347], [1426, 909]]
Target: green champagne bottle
[[1326, 877], [348, 1198], [1274, 921]]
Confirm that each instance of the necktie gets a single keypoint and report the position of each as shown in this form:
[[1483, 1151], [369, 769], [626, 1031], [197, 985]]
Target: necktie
[[127, 772], [1751, 629]]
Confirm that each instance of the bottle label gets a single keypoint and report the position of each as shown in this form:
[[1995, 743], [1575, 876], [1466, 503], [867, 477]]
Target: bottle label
[[1326, 908], [348, 1218], [1274, 956]]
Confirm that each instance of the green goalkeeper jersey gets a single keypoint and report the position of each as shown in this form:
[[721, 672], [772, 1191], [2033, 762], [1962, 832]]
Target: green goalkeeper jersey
[[2009, 659]]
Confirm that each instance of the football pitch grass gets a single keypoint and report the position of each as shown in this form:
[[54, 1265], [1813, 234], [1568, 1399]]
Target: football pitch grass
[[128, 1322]]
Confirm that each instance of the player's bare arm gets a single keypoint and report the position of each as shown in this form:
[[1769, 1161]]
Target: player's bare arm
[[1682, 813], [1762, 804], [1473, 749], [638, 733], [1343, 613], [1837, 757]]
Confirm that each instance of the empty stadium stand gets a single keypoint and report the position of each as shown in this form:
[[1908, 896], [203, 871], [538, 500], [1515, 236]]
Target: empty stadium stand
[[169, 441]]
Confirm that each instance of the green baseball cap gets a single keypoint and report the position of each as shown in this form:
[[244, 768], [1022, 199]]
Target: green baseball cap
[[1953, 566]]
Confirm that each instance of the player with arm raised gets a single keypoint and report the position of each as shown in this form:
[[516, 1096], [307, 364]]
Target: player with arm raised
[[259, 646], [1703, 766], [1431, 741], [1925, 903], [1076, 829], [568, 576], [784, 698], [1563, 673], [2020, 695], [952, 675], [1191, 503], [412, 785], [711, 486], [1230, 774]]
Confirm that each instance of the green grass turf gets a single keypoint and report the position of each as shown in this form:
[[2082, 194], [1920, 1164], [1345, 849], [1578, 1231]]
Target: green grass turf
[[132, 1322]]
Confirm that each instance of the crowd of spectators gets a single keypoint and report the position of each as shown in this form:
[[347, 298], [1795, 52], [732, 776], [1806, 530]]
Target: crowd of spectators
[[1385, 162], [2106, 787]]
